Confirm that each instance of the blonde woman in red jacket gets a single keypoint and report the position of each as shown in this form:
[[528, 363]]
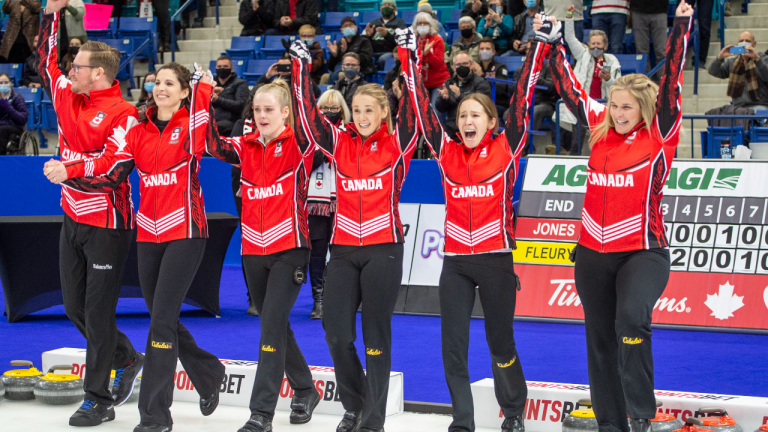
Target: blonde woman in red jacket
[[434, 71]]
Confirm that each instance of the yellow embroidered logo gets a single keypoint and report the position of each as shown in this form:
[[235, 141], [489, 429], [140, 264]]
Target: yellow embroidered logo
[[632, 341], [508, 364], [371, 351], [267, 348], [162, 345]]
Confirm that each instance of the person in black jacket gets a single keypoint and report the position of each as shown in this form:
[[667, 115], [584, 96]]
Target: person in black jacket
[[31, 75], [229, 96], [462, 83], [256, 16], [543, 100], [350, 65], [351, 42], [381, 31], [284, 23]]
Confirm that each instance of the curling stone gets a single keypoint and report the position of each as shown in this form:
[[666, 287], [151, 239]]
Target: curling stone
[[665, 422], [718, 420], [581, 420], [2, 389], [693, 424], [136, 387], [19, 383], [59, 389], [763, 428]]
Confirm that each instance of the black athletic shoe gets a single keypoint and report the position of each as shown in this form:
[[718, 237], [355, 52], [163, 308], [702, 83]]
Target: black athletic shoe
[[152, 427], [302, 408], [639, 425], [372, 429], [257, 423], [91, 413], [513, 424], [208, 406], [350, 422], [125, 378]]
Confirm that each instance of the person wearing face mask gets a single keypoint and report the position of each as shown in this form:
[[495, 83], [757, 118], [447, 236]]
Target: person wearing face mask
[[351, 42], [424, 6], [596, 71], [523, 29], [468, 42], [72, 50], [31, 76], [282, 69], [13, 112], [622, 256], [489, 67], [256, 16], [307, 35], [230, 96], [479, 234], [168, 258], [747, 73], [350, 66], [321, 200], [381, 31], [371, 159], [276, 162], [434, 71], [455, 89], [146, 90], [497, 25]]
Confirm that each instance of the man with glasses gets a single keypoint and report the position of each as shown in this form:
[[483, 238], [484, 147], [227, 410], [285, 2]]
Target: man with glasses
[[96, 233], [350, 66], [462, 83]]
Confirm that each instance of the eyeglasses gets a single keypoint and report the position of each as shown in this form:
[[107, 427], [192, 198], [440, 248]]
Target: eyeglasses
[[461, 64], [333, 109], [76, 67], [350, 65]]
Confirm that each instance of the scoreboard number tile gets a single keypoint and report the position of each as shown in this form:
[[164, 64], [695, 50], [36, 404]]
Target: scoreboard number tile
[[723, 260], [730, 210], [727, 236], [682, 234], [709, 207], [749, 236], [746, 261], [762, 262], [679, 258], [700, 260], [704, 235]]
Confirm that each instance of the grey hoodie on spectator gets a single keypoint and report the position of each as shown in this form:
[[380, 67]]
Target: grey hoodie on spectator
[[723, 70]]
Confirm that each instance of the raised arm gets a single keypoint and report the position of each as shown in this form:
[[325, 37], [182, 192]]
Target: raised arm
[[48, 61], [669, 116], [575, 97], [312, 128], [223, 148], [577, 49], [199, 115], [518, 118], [406, 127], [106, 183], [418, 97]]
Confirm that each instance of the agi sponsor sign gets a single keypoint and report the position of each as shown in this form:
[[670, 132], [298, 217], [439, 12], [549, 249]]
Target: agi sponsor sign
[[716, 215], [548, 404], [236, 387]]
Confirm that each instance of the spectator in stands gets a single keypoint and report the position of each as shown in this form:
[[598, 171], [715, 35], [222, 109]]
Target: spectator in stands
[[69, 57], [523, 28], [290, 15], [350, 67], [456, 88], [31, 75], [610, 16], [475, 9], [649, 22], [434, 71], [424, 6], [381, 31], [704, 20], [489, 67], [558, 9], [469, 40], [394, 93], [73, 18], [146, 92], [163, 16], [281, 69], [307, 35], [256, 16], [23, 24], [229, 96], [202, 12], [544, 100], [747, 74], [351, 42], [13, 112], [596, 71], [497, 25]]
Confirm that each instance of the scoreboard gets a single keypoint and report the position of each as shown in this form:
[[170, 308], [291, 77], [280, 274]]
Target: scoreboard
[[716, 219]]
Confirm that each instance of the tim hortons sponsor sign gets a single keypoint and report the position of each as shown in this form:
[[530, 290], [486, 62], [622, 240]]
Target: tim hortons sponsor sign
[[549, 403], [236, 387]]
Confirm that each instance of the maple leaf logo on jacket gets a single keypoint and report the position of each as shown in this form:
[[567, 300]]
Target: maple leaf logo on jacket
[[725, 302]]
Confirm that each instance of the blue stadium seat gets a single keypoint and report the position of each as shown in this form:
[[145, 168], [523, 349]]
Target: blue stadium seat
[[453, 22], [255, 69], [513, 63], [758, 134], [710, 145], [245, 47], [332, 22], [632, 63], [48, 115], [389, 63], [453, 35], [629, 42], [107, 33], [273, 46], [361, 5], [140, 29], [587, 18], [14, 70], [323, 88], [369, 16], [125, 46], [32, 98]]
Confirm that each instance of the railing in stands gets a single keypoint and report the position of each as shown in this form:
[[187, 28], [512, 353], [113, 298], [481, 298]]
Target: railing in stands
[[136, 52], [173, 20], [721, 30]]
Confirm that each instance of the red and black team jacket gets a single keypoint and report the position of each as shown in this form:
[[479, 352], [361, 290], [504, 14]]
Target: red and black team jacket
[[478, 183], [369, 173], [168, 164], [626, 173], [274, 182], [87, 125]]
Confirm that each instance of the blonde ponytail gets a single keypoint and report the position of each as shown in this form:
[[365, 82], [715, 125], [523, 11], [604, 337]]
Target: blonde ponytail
[[280, 89]]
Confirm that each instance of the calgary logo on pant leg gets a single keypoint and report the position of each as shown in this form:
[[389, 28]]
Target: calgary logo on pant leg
[[268, 348], [507, 364], [162, 345], [373, 351], [632, 341]]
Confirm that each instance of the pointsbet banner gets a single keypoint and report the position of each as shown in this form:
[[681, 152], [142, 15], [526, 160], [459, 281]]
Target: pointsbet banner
[[716, 217]]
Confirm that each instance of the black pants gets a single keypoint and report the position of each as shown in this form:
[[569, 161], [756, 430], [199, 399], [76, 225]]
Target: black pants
[[274, 289], [163, 15], [705, 27], [91, 263], [618, 292], [6, 131], [494, 276], [367, 275], [320, 229], [166, 271]]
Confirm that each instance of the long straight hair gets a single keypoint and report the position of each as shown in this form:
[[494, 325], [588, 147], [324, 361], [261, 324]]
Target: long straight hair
[[641, 88]]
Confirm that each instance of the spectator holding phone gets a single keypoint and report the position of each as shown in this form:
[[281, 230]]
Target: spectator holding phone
[[31, 75], [497, 25], [469, 40], [746, 70], [381, 31], [281, 69], [256, 16]]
